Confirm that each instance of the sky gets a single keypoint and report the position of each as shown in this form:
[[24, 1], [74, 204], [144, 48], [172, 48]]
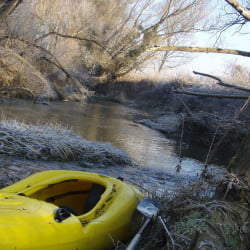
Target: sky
[[218, 64], [211, 62]]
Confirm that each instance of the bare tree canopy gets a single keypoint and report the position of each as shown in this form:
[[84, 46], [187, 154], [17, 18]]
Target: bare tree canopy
[[243, 13], [106, 38]]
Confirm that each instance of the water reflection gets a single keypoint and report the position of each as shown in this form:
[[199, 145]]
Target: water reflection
[[107, 122]]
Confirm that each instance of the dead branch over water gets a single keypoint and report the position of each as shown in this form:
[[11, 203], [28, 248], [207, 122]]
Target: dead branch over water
[[220, 82], [209, 95]]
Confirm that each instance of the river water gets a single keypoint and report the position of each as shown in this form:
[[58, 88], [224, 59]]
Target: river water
[[115, 123]]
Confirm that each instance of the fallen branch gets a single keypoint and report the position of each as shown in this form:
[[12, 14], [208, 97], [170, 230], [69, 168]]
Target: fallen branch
[[209, 95], [220, 82]]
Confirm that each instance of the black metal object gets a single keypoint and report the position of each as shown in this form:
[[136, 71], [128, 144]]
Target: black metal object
[[62, 214]]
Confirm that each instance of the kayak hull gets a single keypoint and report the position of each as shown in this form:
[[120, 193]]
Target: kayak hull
[[61, 209]]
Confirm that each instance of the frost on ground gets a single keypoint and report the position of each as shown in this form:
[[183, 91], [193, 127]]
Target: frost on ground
[[52, 142]]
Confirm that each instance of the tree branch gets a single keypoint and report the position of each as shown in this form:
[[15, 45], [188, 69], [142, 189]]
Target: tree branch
[[220, 82], [199, 49], [76, 38], [209, 95], [244, 12], [7, 7]]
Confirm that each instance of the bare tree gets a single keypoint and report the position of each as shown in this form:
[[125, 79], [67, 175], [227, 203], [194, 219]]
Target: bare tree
[[220, 82], [240, 16], [110, 38]]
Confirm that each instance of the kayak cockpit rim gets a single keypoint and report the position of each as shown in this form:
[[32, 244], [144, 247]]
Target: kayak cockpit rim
[[80, 195]]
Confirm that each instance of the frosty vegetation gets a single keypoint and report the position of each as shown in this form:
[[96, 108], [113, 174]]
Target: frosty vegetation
[[52, 142]]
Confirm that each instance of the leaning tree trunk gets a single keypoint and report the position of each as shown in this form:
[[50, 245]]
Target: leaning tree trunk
[[200, 49]]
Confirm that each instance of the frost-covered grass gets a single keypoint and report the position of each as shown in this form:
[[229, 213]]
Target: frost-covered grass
[[53, 142]]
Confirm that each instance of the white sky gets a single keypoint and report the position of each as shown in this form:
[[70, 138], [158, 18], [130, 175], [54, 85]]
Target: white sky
[[211, 62]]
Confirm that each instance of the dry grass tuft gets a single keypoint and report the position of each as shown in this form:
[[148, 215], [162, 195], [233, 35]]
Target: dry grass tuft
[[50, 142], [196, 221]]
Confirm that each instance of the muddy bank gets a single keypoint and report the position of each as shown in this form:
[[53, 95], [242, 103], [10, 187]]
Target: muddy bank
[[240, 162], [201, 129]]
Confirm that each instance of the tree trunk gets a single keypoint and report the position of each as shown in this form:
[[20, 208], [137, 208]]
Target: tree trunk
[[200, 49]]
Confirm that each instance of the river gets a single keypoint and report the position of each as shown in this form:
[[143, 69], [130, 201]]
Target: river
[[115, 123]]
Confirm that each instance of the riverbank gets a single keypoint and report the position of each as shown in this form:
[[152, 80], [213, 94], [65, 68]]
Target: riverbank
[[218, 125]]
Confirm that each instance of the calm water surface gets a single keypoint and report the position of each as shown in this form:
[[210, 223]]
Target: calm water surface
[[110, 122]]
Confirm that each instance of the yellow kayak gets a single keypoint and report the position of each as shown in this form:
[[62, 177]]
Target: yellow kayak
[[71, 210]]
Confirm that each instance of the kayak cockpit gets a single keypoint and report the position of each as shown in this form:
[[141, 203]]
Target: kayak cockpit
[[78, 196]]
